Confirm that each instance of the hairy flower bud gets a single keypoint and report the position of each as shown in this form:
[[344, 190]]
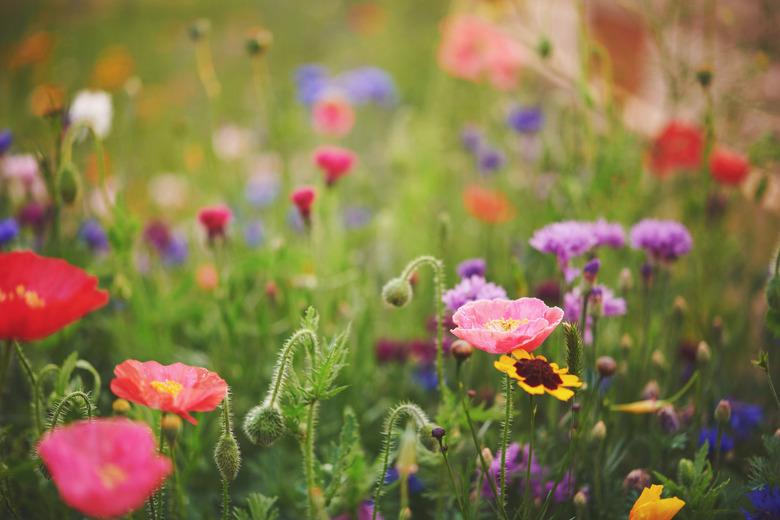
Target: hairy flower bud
[[651, 390], [227, 457], [668, 418], [599, 431], [723, 412], [397, 292], [68, 183], [606, 366], [264, 424], [171, 426], [488, 456], [637, 479], [703, 353], [438, 433], [685, 473], [461, 349]]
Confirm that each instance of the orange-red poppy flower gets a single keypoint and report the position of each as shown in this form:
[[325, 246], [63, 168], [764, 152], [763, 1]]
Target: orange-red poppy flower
[[650, 505], [40, 296], [488, 206], [176, 388], [728, 167], [679, 146]]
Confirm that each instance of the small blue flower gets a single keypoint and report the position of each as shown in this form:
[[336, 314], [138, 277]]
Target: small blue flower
[[711, 435], [766, 504], [6, 139], [415, 484], [94, 235], [368, 85], [471, 136], [490, 160], [254, 233], [525, 120], [176, 251], [426, 376], [745, 418], [9, 229]]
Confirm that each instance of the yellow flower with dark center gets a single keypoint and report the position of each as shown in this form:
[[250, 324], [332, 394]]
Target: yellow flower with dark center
[[536, 375]]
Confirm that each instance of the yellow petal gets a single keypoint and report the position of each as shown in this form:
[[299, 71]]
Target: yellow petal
[[533, 390], [570, 380], [647, 406], [522, 354], [564, 394]]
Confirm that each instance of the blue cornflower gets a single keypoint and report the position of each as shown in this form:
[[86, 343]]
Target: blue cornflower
[[744, 418], [415, 484], [176, 250], [6, 139], [471, 136], [254, 233], [711, 435], [94, 235], [525, 120], [490, 160], [311, 80], [368, 85], [9, 229], [261, 190], [766, 504], [471, 267]]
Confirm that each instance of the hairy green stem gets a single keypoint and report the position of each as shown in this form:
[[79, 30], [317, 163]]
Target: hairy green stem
[[283, 365], [527, 497], [37, 395], [505, 433], [308, 459], [485, 468], [25, 364], [62, 406], [438, 282], [7, 352], [225, 499], [768, 376]]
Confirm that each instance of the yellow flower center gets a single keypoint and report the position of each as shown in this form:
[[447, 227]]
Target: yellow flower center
[[111, 475], [504, 325], [30, 298], [172, 387]]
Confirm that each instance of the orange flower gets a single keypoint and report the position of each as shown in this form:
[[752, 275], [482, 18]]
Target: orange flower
[[207, 277], [650, 505], [46, 99], [112, 69], [536, 375], [33, 49], [488, 206]]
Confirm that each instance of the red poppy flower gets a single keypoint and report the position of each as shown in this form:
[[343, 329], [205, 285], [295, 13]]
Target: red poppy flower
[[104, 468], [488, 206], [176, 388], [679, 146], [40, 296], [728, 167]]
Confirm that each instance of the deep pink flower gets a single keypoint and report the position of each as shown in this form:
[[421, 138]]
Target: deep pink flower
[[501, 326], [104, 468], [175, 388], [333, 116], [334, 161], [303, 198], [215, 219]]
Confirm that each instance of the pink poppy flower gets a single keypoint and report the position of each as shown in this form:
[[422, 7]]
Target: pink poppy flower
[[501, 326], [334, 161], [175, 388], [474, 49], [303, 198], [215, 219], [105, 468], [333, 115]]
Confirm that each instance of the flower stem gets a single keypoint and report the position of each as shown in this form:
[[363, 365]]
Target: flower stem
[[176, 492], [485, 468], [7, 352], [63, 404], [225, 499], [527, 497], [438, 282], [25, 364], [768, 376], [308, 456], [452, 479], [718, 442], [505, 433], [37, 396], [282, 366]]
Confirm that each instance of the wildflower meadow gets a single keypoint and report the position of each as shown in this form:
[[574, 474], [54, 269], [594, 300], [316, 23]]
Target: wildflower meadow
[[373, 259]]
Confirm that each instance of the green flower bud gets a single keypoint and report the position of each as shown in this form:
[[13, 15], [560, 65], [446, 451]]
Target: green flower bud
[[545, 47], [227, 457], [68, 183], [704, 75], [685, 473], [171, 426], [723, 412], [264, 424], [397, 292]]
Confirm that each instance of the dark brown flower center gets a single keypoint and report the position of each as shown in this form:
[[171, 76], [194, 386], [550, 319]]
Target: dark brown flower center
[[538, 372]]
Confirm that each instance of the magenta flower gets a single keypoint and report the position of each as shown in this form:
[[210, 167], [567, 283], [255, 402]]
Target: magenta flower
[[471, 289], [215, 219], [303, 198], [501, 326], [664, 240], [104, 468], [334, 161]]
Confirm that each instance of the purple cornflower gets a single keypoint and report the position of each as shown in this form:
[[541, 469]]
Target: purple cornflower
[[471, 289], [766, 504], [262, 189], [609, 234], [387, 350], [93, 234], [415, 484], [567, 240], [513, 466], [311, 81], [254, 233], [525, 120], [490, 159], [610, 306], [157, 235], [591, 270], [471, 267], [6, 139], [664, 240], [176, 251], [9, 229], [471, 135], [366, 511]]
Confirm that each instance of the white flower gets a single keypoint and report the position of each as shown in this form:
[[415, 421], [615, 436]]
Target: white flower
[[95, 107]]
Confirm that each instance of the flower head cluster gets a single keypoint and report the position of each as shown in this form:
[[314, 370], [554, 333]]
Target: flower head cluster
[[471, 267], [502, 326], [766, 503], [471, 289], [104, 468], [572, 238], [40, 296], [663, 240], [541, 480], [333, 115], [215, 219], [9, 229], [93, 234], [475, 49], [176, 388]]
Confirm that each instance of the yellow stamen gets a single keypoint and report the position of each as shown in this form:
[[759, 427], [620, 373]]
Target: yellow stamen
[[30, 298], [111, 475], [504, 325], [172, 387]]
